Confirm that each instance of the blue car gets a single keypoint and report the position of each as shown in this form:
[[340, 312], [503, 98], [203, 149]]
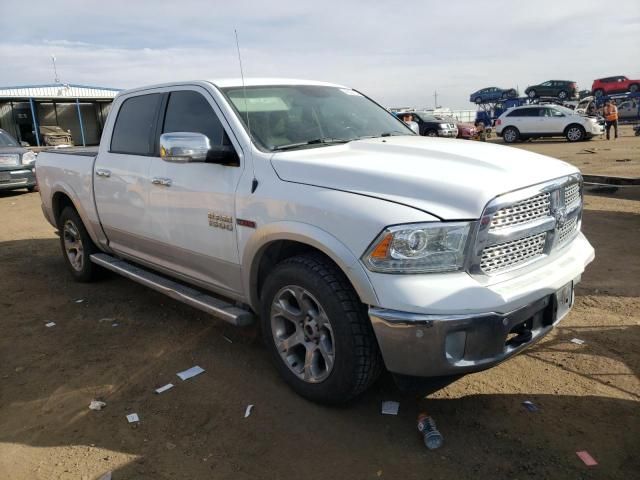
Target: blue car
[[492, 94]]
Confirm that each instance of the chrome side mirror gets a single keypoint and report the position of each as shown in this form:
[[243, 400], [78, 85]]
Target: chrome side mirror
[[184, 147]]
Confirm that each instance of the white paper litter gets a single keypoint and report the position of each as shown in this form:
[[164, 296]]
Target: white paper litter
[[97, 405], [577, 341], [390, 407], [80, 300], [115, 324], [133, 417], [191, 372], [165, 388], [247, 412], [50, 324]]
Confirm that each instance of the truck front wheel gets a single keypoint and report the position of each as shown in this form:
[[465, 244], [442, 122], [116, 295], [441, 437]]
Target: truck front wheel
[[317, 330], [76, 246]]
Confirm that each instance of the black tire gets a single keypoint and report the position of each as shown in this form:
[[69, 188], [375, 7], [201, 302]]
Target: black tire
[[562, 95], [510, 135], [79, 264], [575, 133], [357, 362], [33, 189], [532, 94], [598, 93], [633, 88], [431, 133]]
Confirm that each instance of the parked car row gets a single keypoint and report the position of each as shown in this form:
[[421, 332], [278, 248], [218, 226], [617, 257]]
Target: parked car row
[[561, 89]]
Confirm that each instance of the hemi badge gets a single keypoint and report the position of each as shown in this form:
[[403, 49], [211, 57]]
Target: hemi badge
[[246, 223]]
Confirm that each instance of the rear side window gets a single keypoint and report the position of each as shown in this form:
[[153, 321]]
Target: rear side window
[[524, 112], [134, 124], [189, 111]]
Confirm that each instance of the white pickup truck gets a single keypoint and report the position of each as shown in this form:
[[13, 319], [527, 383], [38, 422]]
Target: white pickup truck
[[307, 207]]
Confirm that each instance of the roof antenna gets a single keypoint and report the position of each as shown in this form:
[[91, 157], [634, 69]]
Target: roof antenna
[[254, 182]]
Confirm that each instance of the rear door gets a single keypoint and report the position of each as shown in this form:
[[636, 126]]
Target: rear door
[[193, 214], [121, 174], [552, 121]]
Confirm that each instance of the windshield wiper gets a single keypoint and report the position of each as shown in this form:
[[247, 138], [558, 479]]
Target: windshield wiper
[[385, 134], [317, 141]]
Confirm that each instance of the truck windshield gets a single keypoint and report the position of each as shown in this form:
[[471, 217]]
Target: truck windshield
[[7, 141], [308, 116]]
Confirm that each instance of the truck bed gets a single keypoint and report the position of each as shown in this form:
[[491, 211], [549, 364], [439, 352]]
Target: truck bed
[[69, 172]]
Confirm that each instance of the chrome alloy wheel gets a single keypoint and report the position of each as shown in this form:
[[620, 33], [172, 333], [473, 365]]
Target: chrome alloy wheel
[[302, 334], [73, 245], [510, 135], [574, 134]]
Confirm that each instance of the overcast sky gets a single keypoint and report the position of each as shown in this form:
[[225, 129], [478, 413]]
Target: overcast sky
[[398, 52]]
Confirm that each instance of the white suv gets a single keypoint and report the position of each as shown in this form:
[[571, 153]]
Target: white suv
[[533, 121]]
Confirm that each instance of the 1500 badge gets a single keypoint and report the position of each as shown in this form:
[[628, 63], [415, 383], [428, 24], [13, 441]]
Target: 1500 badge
[[220, 221]]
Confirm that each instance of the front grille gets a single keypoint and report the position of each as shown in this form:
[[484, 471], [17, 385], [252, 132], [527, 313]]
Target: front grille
[[510, 254], [565, 231], [572, 194], [522, 212], [514, 236]]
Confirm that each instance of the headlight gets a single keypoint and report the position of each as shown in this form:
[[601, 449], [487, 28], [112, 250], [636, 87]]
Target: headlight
[[9, 158], [419, 248], [444, 125], [28, 158]]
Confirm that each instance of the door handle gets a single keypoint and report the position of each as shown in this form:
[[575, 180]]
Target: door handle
[[101, 172], [165, 182]]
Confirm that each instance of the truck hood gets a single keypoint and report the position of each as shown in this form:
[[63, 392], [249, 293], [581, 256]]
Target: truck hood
[[451, 179]]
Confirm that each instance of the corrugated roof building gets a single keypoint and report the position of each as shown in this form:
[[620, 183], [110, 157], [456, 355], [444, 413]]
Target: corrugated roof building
[[78, 110]]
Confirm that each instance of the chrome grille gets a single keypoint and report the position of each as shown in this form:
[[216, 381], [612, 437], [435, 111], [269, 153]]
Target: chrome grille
[[522, 212], [513, 253], [565, 231], [571, 194], [528, 225]]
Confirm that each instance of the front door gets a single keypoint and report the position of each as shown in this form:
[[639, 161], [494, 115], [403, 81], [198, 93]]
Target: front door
[[192, 205], [121, 176]]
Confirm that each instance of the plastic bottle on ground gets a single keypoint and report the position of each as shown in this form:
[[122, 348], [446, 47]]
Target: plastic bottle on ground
[[427, 427]]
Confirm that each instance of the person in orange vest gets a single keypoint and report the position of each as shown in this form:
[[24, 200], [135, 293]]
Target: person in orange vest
[[610, 112]]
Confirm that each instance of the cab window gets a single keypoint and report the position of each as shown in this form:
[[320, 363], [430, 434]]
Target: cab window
[[189, 111], [132, 132]]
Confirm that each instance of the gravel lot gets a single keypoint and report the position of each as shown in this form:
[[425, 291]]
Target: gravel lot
[[587, 394]]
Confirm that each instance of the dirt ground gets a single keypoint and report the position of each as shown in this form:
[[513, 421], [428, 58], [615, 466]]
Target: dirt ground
[[587, 394]]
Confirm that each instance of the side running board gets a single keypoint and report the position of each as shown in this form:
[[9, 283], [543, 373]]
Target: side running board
[[202, 301]]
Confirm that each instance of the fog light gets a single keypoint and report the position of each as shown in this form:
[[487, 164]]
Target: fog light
[[454, 345]]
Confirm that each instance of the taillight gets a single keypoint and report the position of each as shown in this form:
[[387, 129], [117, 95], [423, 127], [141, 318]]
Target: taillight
[[498, 122]]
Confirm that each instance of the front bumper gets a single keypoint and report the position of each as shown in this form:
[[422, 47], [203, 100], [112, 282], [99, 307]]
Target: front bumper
[[434, 345], [18, 177], [448, 133], [457, 325]]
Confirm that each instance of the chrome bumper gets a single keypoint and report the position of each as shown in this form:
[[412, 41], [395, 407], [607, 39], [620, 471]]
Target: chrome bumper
[[11, 179], [438, 345]]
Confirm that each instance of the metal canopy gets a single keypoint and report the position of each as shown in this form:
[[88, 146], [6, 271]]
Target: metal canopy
[[58, 91]]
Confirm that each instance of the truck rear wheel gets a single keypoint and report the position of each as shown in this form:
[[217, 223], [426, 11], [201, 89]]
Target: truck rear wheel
[[76, 246], [317, 330]]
